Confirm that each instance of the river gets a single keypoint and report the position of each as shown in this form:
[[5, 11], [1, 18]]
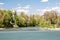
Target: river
[[29, 35]]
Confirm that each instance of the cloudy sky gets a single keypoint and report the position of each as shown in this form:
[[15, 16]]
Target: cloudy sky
[[31, 6]]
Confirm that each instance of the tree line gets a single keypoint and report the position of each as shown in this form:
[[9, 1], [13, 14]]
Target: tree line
[[50, 19]]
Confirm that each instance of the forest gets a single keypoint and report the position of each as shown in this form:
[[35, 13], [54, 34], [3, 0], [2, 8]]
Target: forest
[[10, 19]]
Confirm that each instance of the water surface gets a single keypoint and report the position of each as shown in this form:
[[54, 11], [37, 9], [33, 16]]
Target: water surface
[[29, 35]]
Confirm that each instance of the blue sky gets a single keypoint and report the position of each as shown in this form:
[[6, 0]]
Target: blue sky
[[31, 6]]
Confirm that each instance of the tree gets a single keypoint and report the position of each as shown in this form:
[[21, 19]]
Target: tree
[[1, 18], [22, 20], [7, 18], [51, 15], [32, 20]]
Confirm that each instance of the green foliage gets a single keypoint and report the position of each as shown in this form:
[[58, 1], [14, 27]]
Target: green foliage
[[1, 25], [48, 20], [6, 18], [32, 21], [22, 20]]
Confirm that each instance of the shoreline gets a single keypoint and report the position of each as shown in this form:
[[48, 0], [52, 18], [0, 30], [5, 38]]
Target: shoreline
[[56, 29], [52, 29], [29, 29]]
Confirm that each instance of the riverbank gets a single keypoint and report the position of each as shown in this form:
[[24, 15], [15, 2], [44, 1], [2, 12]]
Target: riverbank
[[29, 29], [56, 29], [53, 29], [20, 29]]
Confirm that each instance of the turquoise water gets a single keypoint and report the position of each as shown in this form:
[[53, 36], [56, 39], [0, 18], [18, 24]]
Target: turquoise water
[[29, 35]]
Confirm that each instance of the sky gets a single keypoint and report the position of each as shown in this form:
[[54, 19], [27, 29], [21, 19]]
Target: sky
[[30, 6]]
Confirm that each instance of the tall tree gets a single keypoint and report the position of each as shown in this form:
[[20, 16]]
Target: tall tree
[[51, 15]]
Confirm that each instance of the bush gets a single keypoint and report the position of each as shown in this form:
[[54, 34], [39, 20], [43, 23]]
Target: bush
[[1, 25]]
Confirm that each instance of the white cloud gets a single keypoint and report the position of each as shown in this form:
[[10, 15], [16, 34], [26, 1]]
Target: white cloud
[[1, 3], [1, 6], [24, 9], [41, 11], [27, 7], [44, 0], [54, 8]]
